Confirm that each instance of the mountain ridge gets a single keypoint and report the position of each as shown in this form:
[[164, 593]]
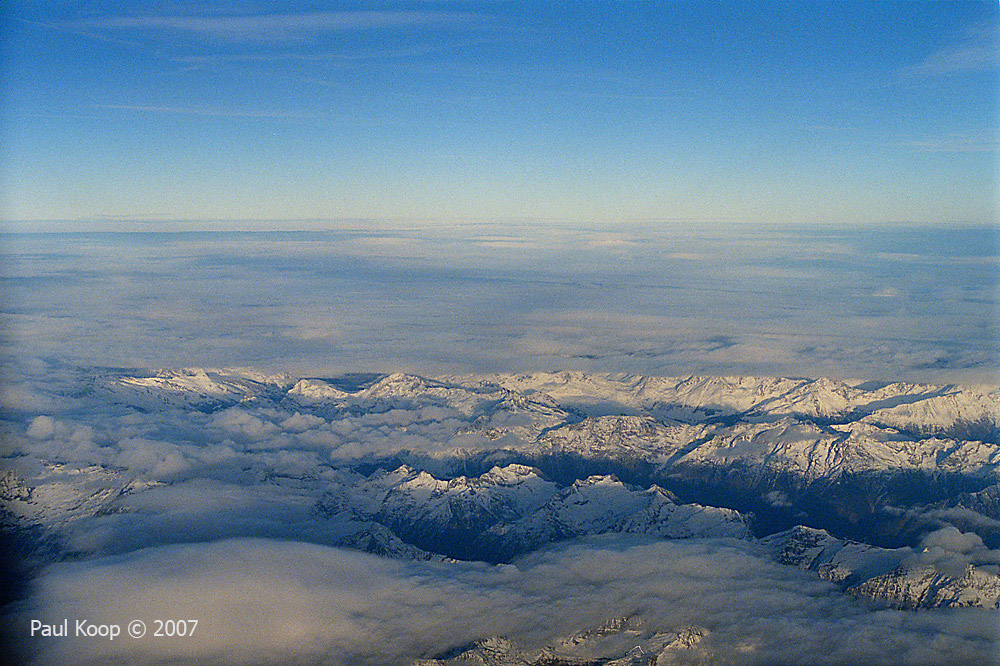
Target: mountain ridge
[[841, 479]]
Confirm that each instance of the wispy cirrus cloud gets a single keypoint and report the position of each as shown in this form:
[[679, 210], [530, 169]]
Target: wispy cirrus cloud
[[979, 51], [955, 142], [203, 111], [279, 26], [361, 55]]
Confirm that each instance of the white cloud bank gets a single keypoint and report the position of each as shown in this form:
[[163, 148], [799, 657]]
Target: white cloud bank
[[266, 602], [895, 304]]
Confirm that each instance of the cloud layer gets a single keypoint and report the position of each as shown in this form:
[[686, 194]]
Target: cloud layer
[[914, 304], [265, 602]]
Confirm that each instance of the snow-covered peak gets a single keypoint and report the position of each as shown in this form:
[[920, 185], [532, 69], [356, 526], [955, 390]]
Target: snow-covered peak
[[822, 399], [316, 391], [965, 413], [397, 384], [623, 641], [913, 586], [193, 388], [837, 560], [62, 493], [695, 397], [510, 475]]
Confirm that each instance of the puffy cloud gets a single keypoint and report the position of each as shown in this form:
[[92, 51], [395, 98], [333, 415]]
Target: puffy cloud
[[157, 460], [239, 422], [951, 540], [301, 422], [777, 499], [42, 427], [951, 551]]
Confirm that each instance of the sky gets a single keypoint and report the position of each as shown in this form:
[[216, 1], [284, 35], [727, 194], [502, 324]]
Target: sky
[[299, 113]]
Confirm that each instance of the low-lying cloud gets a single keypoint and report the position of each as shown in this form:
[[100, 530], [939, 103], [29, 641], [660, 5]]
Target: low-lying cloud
[[951, 551], [267, 602], [897, 304]]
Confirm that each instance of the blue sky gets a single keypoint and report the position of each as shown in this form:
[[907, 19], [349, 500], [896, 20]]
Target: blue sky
[[598, 113]]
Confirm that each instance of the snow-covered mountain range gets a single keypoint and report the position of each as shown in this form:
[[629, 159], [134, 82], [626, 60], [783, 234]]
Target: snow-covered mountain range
[[622, 641], [513, 510], [858, 482]]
